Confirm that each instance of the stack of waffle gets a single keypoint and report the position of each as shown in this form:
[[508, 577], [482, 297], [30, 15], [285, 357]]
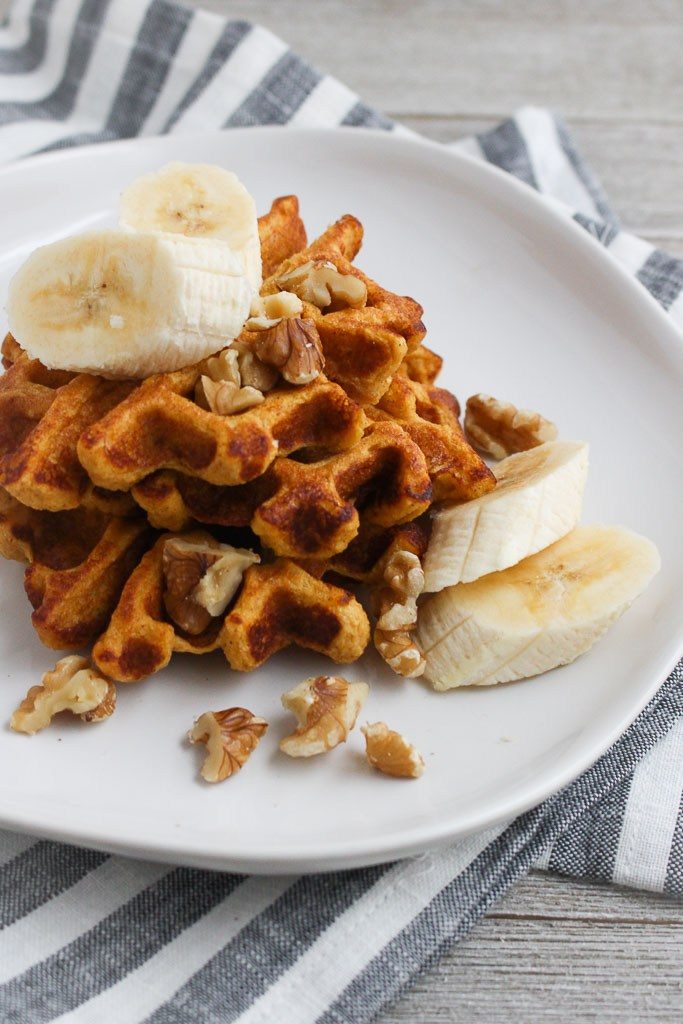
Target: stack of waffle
[[324, 480]]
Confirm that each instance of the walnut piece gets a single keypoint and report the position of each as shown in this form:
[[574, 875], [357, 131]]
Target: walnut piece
[[268, 310], [326, 708], [230, 736], [395, 604], [391, 753], [293, 347], [500, 429], [225, 398], [72, 685], [201, 578], [235, 380], [320, 283]]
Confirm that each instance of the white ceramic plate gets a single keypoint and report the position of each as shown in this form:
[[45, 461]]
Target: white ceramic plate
[[523, 305]]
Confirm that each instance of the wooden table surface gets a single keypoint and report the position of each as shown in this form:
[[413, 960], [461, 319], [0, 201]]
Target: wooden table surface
[[552, 950]]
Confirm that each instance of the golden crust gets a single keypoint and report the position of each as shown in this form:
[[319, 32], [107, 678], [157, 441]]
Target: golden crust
[[304, 510], [421, 365], [430, 417], [281, 233], [160, 427], [278, 605], [72, 606], [364, 347], [42, 415], [79, 562]]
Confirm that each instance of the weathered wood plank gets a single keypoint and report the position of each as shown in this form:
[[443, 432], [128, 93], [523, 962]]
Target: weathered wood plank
[[616, 57], [555, 950]]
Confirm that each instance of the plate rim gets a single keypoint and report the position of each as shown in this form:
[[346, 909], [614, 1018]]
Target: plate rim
[[360, 852]]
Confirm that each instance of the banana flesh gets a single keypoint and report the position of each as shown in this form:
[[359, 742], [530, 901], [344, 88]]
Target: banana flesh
[[122, 304], [537, 500], [536, 615], [199, 201]]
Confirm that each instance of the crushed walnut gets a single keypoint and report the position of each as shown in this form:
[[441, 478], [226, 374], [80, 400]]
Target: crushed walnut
[[268, 310], [293, 347], [72, 685], [391, 753], [326, 708], [500, 429], [235, 381], [230, 737], [201, 578], [395, 605], [320, 283]]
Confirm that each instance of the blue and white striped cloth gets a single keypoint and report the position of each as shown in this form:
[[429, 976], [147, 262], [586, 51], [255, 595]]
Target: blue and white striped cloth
[[85, 937]]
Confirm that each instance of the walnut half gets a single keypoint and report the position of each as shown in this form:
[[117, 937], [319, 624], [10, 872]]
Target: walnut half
[[391, 753], [293, 347], [500, 429], [326, 708], [320, 283], [72, 685], [395, 604], [230, 736], [201, 578]]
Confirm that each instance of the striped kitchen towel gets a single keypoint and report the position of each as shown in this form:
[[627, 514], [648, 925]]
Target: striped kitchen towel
[[85, 937]]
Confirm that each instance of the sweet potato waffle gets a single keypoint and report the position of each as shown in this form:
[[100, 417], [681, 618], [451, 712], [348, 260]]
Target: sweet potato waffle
[[327, 478], [279, 604]]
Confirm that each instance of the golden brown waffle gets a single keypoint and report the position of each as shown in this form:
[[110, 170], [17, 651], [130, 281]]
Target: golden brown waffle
[[421, 365], [42, 414], [281, 233], [72, 606], [11, 350], [278, 605], [79, 562], [363, 347], [172, 501], [430, 417], [365, 556], [159, 426], [313, 512], [304, 510]]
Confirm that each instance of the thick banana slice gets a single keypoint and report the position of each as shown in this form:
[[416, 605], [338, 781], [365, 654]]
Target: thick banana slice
[[200, 201], [128, 305], [538, 614], [536, 501]]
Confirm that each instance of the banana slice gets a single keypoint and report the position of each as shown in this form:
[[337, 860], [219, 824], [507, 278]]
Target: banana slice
[[538, 614], [128, 305], [200, 201], [536, 501]]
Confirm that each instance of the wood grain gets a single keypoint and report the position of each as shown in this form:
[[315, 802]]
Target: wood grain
[[553, 950], [558, 951]]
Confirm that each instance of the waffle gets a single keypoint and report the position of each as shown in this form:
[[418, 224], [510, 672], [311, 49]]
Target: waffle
[[429, 416], [421, 365], [281, 233], [42, 414], [278, 605], [363, 347], [79, 562], [365, 556], [10, 350], [304, 510], [314, 509], [159, 426], [332, 477]]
